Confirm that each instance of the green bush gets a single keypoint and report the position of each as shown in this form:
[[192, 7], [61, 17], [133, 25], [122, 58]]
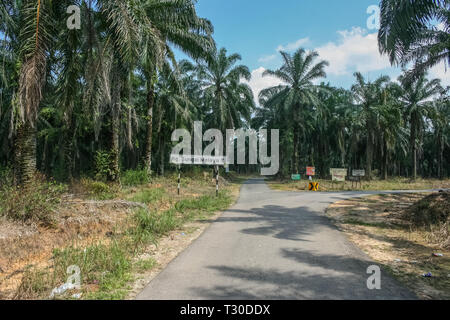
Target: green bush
[[149, 195], [103, 165], [97, 189], [134, 178]]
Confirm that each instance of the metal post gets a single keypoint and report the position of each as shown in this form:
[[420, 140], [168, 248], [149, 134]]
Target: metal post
[[179, 179], [217, 181]]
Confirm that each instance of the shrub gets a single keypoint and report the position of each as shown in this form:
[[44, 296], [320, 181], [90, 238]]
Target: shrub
[[134, 178], [34, 202], [149, 195], [97, 189], [103, 165]]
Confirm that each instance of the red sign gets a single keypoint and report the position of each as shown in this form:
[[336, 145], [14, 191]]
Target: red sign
[[310, 171]]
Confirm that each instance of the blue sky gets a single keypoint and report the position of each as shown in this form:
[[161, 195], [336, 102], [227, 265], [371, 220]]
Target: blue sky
[[338, 30]]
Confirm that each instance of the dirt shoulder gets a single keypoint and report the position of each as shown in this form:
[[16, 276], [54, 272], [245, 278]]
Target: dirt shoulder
[[382, 226]]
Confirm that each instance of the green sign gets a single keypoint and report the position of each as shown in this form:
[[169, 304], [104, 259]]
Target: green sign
[[296, 177]]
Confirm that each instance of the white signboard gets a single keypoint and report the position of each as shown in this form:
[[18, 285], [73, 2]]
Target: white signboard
[[338, 174], [198, 160], [358, 173]]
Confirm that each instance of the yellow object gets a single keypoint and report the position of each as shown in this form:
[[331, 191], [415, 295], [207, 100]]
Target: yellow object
[[314, 186]]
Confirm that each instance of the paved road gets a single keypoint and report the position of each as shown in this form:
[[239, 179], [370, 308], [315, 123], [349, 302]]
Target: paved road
[[272, 245]]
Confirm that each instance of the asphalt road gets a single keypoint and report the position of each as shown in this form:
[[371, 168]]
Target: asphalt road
[[272, 245]]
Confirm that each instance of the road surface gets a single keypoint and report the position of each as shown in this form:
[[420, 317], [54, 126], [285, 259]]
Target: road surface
[[272, 245]]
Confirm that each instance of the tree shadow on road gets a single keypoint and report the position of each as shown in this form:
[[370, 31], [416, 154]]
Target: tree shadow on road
[[319, 277], [277, 221]]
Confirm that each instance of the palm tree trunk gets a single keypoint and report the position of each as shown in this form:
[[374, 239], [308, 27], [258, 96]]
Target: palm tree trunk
[[385, 164], [295, 155], [441, 157], [369, 153], [413, 150], [25, 154], [148, 151], [162, 154], [115, 148]]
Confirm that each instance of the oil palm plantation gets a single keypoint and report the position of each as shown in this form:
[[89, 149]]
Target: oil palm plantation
[[298, 91], [415, 31], [368, 95], [416, 98]]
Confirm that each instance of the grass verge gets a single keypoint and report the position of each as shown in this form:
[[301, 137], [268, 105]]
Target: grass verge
[[107, 268]]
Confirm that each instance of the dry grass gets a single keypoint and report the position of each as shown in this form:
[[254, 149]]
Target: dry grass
[[381, 226]]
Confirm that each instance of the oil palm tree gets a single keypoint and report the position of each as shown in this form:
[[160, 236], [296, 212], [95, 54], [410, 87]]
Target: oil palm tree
[[440, 116], [29, 28], [226, 99], [173, 106], [368, 94], [167, 23], [298, 90], [416, 97], [415, 31]]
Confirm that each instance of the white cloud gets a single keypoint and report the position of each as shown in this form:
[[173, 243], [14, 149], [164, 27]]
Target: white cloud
[[266, 59], [293, 45], [259, 83], [356, 50]]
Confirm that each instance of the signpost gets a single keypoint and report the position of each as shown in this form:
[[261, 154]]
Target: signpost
[[199, 160], [356, 177], [310, 171], [338, 174], [313, 186], [296, 177]]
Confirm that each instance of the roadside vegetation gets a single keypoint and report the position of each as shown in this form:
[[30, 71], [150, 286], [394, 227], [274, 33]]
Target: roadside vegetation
[[107, 248], [408, 234]]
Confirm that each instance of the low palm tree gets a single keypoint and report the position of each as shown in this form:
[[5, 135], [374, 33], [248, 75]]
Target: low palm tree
[[298, 90]]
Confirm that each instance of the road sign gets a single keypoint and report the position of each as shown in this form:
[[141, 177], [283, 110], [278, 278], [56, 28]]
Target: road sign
[[296, 177], [310, 171], [338, 174], [314, 186], [198, 160], [358, 173]]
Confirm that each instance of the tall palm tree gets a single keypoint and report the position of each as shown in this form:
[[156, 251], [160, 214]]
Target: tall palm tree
[[415, 31], [416, 97], [173, 107], [298, 91], [28, 25], [368, 95], [167, 23], [440, 116], [227, 100]]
